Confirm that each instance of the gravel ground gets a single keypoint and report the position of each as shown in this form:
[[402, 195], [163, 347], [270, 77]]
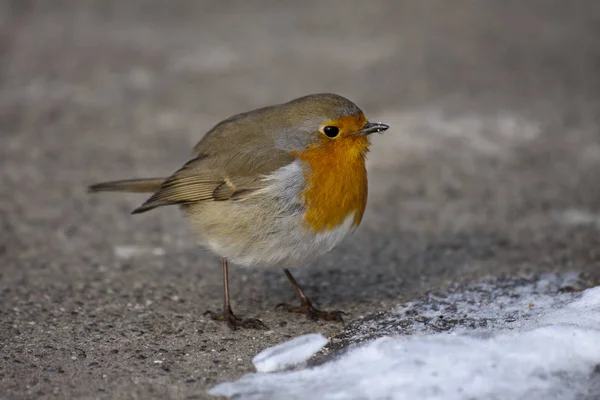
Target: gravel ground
[[490, 167]]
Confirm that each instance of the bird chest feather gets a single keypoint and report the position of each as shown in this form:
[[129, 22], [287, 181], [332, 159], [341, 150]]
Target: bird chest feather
[[336, 182]]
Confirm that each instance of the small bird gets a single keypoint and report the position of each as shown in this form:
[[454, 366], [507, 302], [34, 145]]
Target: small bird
[[277, 187]]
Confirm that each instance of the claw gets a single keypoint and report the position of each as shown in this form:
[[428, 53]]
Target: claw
[[233, 322], [312, 312]]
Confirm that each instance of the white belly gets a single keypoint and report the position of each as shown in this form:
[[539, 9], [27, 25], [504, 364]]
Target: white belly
[[267, 229], [296, 246]]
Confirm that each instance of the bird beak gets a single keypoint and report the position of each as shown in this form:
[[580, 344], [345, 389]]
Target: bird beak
[[372, 127]]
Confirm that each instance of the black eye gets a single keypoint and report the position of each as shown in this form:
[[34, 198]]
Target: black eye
[[331, 131]]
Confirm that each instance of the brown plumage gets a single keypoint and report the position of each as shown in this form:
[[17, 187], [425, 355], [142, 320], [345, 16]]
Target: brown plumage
[[272, 186], [147, 185]]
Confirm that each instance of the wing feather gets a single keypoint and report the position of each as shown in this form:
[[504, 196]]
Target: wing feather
[[230, 161], [188, 186]]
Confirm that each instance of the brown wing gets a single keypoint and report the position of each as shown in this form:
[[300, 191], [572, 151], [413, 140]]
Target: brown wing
[[196, 181], [230, 160]]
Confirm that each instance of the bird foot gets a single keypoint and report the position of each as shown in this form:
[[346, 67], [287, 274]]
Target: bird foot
[[312, 312], [234, 322]]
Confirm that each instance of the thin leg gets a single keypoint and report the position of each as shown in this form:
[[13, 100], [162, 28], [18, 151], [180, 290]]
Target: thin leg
[[225, 268], [306, 306], [228, 316]]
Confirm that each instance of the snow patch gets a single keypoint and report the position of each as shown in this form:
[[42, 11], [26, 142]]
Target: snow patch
[[492, 304], [127, 252], [575, 217], [289, 353], [535, 344], [421, 132]]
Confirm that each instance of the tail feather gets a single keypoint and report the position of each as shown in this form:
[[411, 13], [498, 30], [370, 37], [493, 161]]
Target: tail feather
[[149, 185]]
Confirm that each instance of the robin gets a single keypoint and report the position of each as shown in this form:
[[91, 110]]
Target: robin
[[277, 186]]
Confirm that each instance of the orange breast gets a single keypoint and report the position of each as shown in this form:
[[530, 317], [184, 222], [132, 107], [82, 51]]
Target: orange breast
[[336, 178]]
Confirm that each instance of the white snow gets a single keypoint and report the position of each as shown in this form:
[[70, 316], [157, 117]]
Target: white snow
[[577, 217], [126, 252], [548, 349], [429, 131], [289, 353]]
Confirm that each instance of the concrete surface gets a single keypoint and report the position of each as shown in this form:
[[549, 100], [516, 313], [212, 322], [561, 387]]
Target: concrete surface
[[490, 167]]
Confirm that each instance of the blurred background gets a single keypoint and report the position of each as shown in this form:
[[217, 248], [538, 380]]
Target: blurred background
[[490, 167]]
